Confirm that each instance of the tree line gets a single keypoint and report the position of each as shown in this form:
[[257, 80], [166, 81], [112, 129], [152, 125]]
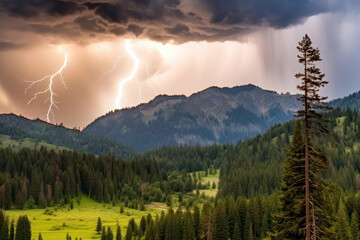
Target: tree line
[[42, 178]]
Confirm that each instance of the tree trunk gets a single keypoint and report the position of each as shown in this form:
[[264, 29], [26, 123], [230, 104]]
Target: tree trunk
[[307, 177]]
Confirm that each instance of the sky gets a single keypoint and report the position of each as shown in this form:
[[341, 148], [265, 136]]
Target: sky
[[108, 54]]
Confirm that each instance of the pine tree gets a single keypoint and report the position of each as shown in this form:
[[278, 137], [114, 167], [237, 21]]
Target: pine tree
[[237, 233], [251, 234], [162, 226], [287, 224], [40, 237], [170, 219], [103, 233], [110, 235], [8, 194], [311, 82], [129, 231], [12, 230], [4, 232], [207, 222], [220, 222], [143, 225], [248, 229], [98, 226], [2, 218], [341, 226], [150, 231], [196, 217], [118, 233], [23, 229], [230, 214], [355, 226]]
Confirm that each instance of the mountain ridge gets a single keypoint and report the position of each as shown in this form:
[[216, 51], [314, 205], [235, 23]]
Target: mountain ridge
[[206, 117], [212, 116], [19, 127]]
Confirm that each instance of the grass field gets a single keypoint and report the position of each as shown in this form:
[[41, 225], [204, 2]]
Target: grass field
[[211, 179], [80, 221], [6, 141]]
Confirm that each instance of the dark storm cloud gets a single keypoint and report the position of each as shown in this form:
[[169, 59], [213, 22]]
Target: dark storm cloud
[[31, 8], [274, 13], [160, 20]]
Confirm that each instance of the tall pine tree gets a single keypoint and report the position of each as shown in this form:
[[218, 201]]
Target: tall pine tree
[[311, 82]]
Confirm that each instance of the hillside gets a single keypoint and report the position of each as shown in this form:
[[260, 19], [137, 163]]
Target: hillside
[[254, 166], [213, 116], [13, 127], [352, 101]]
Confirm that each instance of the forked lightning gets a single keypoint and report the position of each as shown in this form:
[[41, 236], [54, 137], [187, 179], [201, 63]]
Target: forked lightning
[[50, 88]]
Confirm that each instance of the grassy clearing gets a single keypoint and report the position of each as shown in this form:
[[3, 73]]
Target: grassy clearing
[[6, 141], [210, 179], [80, 221], [339, 125]]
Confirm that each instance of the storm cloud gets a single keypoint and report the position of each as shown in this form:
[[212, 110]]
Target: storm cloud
[[160, 20]]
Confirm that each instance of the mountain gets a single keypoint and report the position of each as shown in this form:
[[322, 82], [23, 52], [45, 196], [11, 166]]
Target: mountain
[[18, 128], [215, 115], [254, 166], [352, 101]]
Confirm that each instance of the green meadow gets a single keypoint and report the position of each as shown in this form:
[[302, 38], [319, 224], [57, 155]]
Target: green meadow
[[6, 141], [80, 221], [210, 179], [54, 222]]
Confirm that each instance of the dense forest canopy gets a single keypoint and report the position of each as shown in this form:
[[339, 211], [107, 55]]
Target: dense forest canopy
[[254, 166], [43, 178]]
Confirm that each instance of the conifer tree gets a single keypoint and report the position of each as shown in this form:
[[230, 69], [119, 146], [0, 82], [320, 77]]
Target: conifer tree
[[40, 237], [355, 226], [103, 233], [150, 231], [220, 222], [8, 194], [196, 217], [237, 233], [162, 226], [248, 227], [143, 225], [118, 233], [251, 234], [170, 219], [287, 222], [129, 231], [2, 218], [23, 229], [98, 226], [207, 222], [311, 82], [341, 226], [109, 235], [12, 230], [4, 232]]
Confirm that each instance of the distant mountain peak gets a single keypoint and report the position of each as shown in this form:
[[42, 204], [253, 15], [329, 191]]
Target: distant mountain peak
[[214, 115]]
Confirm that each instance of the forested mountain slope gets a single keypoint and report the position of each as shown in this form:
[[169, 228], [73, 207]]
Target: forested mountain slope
[[18, 128], [254, 166], [213, 116], [352, 101]]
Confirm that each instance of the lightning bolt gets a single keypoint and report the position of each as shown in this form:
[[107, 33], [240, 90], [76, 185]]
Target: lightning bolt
[[50, 78], [132, 76], [133, 72]]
